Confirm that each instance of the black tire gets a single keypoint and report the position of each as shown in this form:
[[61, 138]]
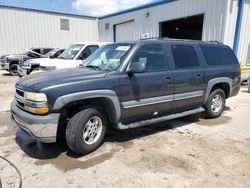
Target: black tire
[[211, 111], [77, 125], [13, 69]]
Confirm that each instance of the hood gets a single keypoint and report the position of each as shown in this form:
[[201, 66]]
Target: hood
[[41, 81], [38, 60], [58, 63], [17, 56]]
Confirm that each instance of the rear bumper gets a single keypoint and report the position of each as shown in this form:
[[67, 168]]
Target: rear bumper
[[43, 128]]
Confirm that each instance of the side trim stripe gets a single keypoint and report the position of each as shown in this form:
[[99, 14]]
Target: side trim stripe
[[148, 101], [162, 99], [188, 95]]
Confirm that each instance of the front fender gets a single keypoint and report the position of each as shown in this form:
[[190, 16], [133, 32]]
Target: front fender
[[109, 94]]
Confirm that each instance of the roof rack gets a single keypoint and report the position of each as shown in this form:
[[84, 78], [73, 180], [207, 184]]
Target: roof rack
[[215, 41], [174, 39], [150, 38]]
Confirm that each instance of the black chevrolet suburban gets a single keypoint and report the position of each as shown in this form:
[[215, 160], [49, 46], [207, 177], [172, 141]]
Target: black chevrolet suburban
[[126, 85]]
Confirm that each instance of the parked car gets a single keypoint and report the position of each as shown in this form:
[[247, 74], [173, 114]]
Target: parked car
[[72, 57], [27, 66], [10, 62], [126, 85]]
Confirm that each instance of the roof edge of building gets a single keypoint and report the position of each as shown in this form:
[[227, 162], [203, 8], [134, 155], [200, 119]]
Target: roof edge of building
[[47, 12], [137, 8]]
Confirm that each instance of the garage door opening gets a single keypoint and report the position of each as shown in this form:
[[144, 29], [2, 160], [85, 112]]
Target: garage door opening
[[124, 31], [183, 28]]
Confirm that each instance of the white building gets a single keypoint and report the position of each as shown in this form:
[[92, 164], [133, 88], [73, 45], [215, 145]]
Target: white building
[[227, 21], [25, 28]]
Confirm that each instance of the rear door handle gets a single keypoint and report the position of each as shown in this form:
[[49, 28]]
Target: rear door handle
[[197, 76], [167, 78]]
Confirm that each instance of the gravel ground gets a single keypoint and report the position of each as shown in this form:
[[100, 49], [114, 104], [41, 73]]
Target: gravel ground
[[186, 152]]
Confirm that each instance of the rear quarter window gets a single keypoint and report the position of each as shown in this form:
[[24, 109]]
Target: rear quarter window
[[218, 55]]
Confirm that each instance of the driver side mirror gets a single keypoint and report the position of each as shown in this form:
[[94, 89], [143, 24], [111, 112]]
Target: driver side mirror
[[136, 67]]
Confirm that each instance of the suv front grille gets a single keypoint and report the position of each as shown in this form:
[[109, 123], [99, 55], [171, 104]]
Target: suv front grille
[[20, 104], [20, 98], [20, 92]]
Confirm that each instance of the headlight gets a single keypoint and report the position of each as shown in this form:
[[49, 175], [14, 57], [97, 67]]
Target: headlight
[[26, 63], [35, 96], [36, 103], [47, 68]]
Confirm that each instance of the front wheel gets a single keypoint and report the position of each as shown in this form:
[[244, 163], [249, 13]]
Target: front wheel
[[86, 130], [215, 104], [13, 69]]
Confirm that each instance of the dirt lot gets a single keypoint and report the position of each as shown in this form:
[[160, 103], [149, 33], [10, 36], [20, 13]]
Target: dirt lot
[[187, 152]]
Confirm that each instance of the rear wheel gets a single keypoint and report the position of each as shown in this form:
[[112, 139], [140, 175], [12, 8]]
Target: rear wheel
[[215, 104], [86, 130], [13, 69]]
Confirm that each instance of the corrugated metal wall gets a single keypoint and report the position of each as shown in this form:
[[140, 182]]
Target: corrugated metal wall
[[25, 28], [213, 28], [245, 33], [219, 21]]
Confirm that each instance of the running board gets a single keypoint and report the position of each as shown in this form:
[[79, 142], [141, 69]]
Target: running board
[[159, 119]]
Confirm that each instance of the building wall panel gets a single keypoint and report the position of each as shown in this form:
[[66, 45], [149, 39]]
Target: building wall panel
[[244, 34], [213, 28], [25, 29]]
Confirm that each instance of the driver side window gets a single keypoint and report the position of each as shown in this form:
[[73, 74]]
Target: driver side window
[[153, 56]]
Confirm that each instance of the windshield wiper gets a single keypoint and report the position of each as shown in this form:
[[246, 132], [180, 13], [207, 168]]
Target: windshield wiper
[[93, 67]]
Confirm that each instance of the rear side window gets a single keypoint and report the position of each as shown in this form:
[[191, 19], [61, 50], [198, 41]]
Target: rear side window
[[184, 57], [153, 56], [218, 55]]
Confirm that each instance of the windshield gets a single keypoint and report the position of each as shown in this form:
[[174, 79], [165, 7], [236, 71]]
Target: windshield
[[50, 53], [108, 58], [71, 52]]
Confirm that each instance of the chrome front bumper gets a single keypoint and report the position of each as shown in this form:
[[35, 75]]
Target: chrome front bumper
[[23, 71], [43, 128]]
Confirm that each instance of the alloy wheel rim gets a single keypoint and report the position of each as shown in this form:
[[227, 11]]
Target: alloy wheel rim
[[216, 103], [92, 130]]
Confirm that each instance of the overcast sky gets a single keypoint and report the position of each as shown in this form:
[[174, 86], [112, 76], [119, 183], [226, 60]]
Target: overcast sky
[[83, 7]]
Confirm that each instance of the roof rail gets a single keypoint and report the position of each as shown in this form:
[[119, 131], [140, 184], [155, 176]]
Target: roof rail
[[175, 39], [215, 41], [150, 38]]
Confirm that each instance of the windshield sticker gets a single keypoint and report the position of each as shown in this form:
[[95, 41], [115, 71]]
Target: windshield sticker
[[122, 48]]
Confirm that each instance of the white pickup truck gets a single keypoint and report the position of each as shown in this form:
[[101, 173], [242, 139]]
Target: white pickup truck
[[72, 57]]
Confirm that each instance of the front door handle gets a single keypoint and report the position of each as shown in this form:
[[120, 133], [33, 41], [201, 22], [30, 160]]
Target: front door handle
[[197, 76], [167, 78]]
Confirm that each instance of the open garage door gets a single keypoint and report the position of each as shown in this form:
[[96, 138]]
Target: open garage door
[[124, 31], [183, 28]]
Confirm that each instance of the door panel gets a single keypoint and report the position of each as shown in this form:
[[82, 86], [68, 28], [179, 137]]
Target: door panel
[[149, 94], [188, 78], [146, 94]]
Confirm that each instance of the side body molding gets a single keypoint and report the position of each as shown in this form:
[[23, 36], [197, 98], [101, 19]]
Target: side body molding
[[214, 81], [107, 94]]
